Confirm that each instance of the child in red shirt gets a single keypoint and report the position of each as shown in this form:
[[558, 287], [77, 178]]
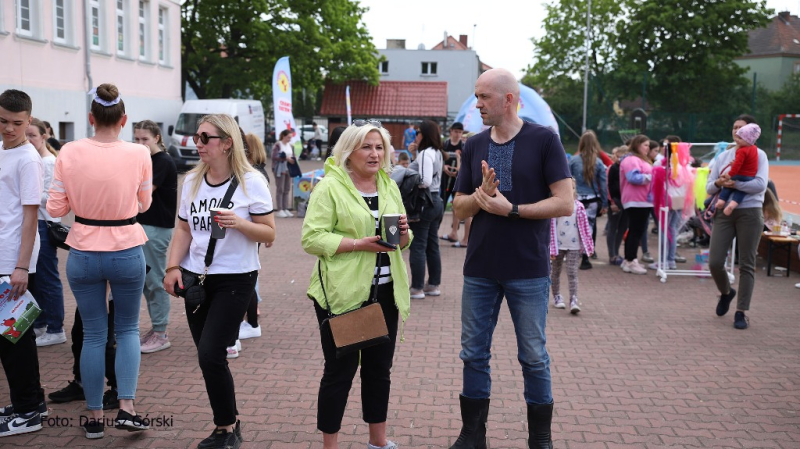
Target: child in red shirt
[[743, 168]]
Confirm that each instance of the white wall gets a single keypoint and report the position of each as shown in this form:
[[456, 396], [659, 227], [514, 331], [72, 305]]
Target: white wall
[[54, 73]]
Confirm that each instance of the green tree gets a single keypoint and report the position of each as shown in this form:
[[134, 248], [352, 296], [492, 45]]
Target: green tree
[[687, 51], [561, 52], [230, 48]]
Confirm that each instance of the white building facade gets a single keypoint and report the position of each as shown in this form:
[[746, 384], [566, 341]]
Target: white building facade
[[57, 50], [459, 67]]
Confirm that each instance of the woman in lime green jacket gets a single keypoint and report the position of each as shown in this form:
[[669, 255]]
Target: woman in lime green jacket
[[342, 228]]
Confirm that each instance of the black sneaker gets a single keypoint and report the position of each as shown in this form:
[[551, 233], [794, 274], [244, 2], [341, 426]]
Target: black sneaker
[[221, 439], [94, 429], [724, 303], [740, 321], [8, 410], [20, 423], [585, 264], [131, 423], [110, 400], [72, 392]]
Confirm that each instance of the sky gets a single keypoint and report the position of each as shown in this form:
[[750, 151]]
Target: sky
[[498, 30]]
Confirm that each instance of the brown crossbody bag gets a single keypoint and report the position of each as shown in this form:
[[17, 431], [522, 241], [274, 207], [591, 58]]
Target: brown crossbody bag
[[357, 329]]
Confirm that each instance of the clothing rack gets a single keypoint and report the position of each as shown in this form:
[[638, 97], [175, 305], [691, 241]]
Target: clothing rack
[[662, 270]]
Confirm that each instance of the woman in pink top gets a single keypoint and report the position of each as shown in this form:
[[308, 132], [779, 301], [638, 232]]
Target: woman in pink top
[[635, 174], [106, 182]]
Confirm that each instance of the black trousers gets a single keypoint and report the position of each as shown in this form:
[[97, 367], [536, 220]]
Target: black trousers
[[338, 374], [111, 347], [214, 326], [21, 364], [637, 226]]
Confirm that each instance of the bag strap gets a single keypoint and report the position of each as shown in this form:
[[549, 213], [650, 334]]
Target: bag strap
[[373, 296], [212, 242]]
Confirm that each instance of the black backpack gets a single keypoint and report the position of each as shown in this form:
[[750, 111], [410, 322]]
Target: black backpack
[[415, 197]]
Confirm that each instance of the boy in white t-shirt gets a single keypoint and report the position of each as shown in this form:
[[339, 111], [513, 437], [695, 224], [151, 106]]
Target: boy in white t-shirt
[[21, 185]]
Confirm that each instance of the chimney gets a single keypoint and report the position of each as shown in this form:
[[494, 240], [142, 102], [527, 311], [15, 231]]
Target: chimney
[[397, 44], [463, 39], [445, 44]]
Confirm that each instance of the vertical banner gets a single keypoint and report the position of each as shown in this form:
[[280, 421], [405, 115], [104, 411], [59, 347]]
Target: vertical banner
[[282, 98], [349, 111]]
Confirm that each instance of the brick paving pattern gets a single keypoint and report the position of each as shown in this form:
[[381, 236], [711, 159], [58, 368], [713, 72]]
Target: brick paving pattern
[[643, 365]]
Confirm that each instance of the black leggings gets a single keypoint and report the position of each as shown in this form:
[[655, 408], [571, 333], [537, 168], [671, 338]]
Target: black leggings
[[213, 326], [376, 366], [637, 226]]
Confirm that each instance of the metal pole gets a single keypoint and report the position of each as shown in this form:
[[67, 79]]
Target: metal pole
[[88, 61], [753, 98], [586, 71]]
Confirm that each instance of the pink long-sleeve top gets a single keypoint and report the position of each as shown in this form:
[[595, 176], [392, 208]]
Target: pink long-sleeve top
[[102, 181]]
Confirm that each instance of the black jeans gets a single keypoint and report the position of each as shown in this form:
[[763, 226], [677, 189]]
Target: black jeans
[[111, 347], [21, 364], [214, 326], [637, 226], [376, 366]]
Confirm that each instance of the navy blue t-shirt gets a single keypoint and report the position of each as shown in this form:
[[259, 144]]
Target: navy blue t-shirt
[[502, 248]]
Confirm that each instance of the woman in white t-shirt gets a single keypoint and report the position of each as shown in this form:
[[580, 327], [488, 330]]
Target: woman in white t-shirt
[[48, 291], [282, 156], [425, 246], [231, 277]]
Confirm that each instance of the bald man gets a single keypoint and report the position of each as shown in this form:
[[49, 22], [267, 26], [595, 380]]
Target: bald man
[[513, 179]]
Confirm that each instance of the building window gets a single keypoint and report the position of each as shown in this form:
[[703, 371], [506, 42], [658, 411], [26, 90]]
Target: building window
[[120, 27], [60, 21], [383, 67], [143, 8], [796, 68], [94, 13], [429, 68], [24, 15], [163, 38]]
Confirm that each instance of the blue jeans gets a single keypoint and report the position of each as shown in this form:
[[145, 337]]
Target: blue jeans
[[425, 246], [480, 306], [155, 255], [48, 291], [673, 222], [88, 273], [733, 194]]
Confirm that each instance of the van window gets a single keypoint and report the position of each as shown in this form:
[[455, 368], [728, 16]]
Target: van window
[[187, 124]]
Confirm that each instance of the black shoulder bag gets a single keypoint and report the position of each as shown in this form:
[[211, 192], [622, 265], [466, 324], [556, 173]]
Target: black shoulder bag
[[193, 292], [360, 328], [57, 234]]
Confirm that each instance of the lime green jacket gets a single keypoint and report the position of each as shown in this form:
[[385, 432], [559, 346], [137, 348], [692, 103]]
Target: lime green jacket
[[337, 210]]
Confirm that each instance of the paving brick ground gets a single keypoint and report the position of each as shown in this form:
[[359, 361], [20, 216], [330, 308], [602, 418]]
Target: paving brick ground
[[644, 365]]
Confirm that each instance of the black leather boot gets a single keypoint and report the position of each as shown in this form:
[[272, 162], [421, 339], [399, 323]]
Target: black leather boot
[[474, 413], [539, 418]]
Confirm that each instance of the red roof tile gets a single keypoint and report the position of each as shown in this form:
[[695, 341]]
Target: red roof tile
[[389, 99], [780, 37]]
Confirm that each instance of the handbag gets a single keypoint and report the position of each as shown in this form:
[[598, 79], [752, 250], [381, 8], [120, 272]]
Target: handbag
[[360, 328], [294, 169], [193, 291], [57, 234]]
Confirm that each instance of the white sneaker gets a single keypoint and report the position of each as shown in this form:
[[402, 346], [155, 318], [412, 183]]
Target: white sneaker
[[797, 285], [431, 290], [233, 351], [574, 308], [417, 294], [288, 213], [280, 214], [39, 331], [51, 339], [247, 331], [635, 268], [558, 302]]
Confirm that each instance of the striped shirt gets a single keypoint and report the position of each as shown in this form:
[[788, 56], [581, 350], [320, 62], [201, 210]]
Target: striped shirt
[[382, 264]]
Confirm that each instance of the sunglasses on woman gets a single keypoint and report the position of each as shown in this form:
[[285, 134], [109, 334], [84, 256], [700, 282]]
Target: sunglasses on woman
[[204, 137], [372, 122]]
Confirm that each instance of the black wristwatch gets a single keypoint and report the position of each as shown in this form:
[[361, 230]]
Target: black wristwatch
[[514, 214]]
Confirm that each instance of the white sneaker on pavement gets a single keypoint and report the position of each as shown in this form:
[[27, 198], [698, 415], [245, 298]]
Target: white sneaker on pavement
[[233, 351], [247, 331], [39, 331], [51, 339], [155, 343]]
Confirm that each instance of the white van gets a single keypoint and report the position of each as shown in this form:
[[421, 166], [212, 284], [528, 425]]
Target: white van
[[248, 113]]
